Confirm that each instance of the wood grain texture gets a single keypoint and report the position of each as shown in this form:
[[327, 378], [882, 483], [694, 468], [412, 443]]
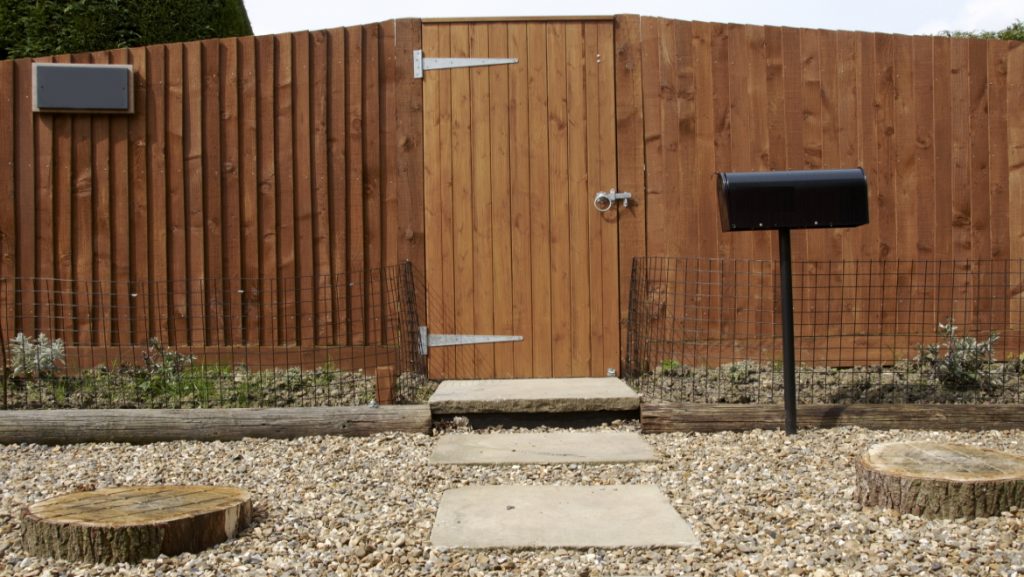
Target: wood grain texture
[[59, 427], [501, 198], [629, 152], [129, 524], [940, 480], [293, 160]]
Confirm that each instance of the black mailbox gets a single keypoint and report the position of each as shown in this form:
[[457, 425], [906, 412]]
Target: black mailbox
[[781, 201], [792, 199]]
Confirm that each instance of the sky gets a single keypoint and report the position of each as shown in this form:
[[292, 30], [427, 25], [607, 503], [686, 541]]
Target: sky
[[899, 16]]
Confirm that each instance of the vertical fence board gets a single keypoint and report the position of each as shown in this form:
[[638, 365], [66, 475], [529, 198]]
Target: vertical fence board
[[304, 247], [608, 164], [540, 255], [579, 199], [267, 186], [1015, 141], [654, 200], [905, 184], [596, 222], [83, 200], [337, 152], [44, 237], [155, 134], [24, 205], [355, 217], [480, 200], [828, 44], [9, 246], [214, 273], [942, 144], [704, 137], [981, 218], [249, 190], [847, 94], [433, 188], [320, 177], [373, 183], [998, 183], [102, 232], [998, 145], [231, 190], [501, 192], [388, 148], [446, 167], [519, 180], [462, 202], [177, 204], [558, 202], [410, 168], [194, 198], [120, 222], [284, 144]]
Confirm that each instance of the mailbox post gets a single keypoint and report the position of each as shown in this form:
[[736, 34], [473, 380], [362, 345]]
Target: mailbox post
[[782, 201]]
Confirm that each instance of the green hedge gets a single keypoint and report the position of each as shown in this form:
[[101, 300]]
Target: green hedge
[[1014, 31], [43, 27]]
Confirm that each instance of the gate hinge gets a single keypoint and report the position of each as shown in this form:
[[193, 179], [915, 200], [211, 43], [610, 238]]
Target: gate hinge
[[428, 340], [420, 64]]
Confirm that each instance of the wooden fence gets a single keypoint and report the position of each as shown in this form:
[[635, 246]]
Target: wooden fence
[[250, 164], [298, 155], [936, 122]]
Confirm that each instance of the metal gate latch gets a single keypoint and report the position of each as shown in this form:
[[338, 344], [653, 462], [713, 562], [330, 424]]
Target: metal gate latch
[[603, 201], [427, 340]]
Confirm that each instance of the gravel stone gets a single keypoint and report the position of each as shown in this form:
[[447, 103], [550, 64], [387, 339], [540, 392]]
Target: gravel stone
[[761, 503]]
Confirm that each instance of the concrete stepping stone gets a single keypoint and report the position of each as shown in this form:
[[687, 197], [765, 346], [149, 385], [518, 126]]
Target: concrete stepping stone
[[523, 517], [542, 448], [533, 396]]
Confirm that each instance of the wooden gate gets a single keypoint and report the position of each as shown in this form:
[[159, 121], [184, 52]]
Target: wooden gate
[[513, 155]]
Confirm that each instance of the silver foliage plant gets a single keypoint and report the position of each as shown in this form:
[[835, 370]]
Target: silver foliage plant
[[35, 357]]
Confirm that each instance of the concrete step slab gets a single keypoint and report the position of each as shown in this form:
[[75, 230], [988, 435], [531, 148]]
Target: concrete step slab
[[577, 395], [529, 517], [547, 448]]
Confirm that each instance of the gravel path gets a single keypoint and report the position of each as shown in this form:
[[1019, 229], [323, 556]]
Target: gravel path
[[761, 503]]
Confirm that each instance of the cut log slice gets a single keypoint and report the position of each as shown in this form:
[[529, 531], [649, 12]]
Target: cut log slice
[[128, 524], [940, 480]]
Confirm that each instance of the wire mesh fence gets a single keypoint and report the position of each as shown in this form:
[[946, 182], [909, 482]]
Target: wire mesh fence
[[707, 330], [343, 339]]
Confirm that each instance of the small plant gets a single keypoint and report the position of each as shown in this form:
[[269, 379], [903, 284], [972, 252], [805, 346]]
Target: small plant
[[37, 357], [741, 372], [672, 368], [959, 363], [165, 361]]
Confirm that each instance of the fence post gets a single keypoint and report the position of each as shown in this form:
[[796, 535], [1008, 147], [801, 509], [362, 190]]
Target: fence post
[[386, 385]]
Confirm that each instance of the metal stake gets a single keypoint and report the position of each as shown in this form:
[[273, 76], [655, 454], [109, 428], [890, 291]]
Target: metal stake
[[788, 360]]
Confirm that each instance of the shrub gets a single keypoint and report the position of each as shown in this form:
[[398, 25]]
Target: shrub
[[960, 363], [44, 27], [35, 357]]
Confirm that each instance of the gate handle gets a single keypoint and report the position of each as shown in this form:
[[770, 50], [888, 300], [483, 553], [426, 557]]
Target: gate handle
[[603, 201]]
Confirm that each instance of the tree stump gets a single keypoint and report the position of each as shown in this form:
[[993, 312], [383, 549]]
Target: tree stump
[[128, 524], [940, 480]]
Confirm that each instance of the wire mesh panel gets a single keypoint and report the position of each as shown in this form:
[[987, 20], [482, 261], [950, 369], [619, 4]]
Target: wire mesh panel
[[707, 330], [325, 340]]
